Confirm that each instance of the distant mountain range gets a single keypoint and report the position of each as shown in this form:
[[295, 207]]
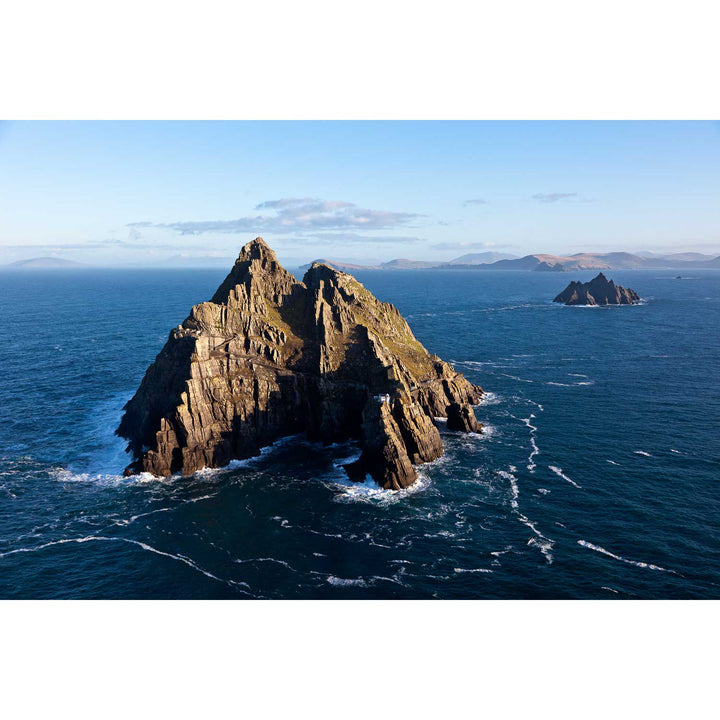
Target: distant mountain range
[[545, 263], [45, 263], [540, 262]]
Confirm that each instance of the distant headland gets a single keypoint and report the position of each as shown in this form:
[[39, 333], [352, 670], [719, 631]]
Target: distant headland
[[543, 262], [44, 263]]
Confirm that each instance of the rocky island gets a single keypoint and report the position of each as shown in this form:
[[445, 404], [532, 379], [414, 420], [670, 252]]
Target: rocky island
[[599, 291], [270, 357]]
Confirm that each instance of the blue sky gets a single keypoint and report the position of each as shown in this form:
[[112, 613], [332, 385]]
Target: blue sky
[[141, 192]]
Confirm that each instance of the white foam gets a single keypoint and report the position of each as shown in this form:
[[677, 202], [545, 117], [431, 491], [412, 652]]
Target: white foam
[[105, 463], [559, 472], [263, 559], [370, 491], [488, 431], [642, 452], [577, 384], [7, 490], [208, 473], [637, 303], [133, 518], [101, 538], [344, 582], [347, 460], [544, 544], [514, 377], [498, 553], [514, 490], [612, 462], [637, 563], [211, 472], [472, 570], [66, 475], [472, 363], [535, 449]]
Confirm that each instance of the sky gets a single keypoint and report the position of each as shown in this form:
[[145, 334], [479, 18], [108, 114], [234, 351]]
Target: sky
[[148, 193]]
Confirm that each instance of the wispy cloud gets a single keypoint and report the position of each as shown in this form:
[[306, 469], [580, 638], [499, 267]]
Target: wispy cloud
[[295, 215], [475, 201], [554, 197]]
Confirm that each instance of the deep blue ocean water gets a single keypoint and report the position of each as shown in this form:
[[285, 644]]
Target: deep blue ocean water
[[597, 477]]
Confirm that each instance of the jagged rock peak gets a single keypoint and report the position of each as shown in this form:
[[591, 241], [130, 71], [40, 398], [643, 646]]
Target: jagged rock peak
[[598, 291], [256, 260], [320, 271], [270, 356], [256, 249]]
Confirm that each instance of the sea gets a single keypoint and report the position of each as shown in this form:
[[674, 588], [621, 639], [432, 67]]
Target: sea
[[597, 476]]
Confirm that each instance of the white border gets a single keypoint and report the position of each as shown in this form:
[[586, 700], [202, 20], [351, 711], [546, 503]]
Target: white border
[[359, 659], [389, 59]]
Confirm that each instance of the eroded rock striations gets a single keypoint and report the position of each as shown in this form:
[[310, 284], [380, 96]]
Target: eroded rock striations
[[269, 357], [599, 291]]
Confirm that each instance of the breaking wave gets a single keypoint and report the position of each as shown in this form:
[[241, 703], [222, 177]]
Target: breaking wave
[[369, 491]]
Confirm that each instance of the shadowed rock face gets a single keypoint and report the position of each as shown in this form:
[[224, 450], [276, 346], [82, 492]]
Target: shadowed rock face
[[269, 356], [599, 291]]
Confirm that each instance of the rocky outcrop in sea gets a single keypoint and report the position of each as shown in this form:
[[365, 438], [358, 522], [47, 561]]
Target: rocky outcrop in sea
[[270, 357], [599, 291]]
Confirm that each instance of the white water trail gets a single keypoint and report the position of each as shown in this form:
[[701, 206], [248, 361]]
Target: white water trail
[[149, 548], [543, 543], [637, 563], [559, 472], [533, 443]]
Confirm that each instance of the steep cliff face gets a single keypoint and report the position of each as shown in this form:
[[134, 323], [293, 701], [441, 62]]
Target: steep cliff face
[[599, 291], [269, 356]]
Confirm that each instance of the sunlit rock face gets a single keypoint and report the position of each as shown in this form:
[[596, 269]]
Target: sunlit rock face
[[269, 356]]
